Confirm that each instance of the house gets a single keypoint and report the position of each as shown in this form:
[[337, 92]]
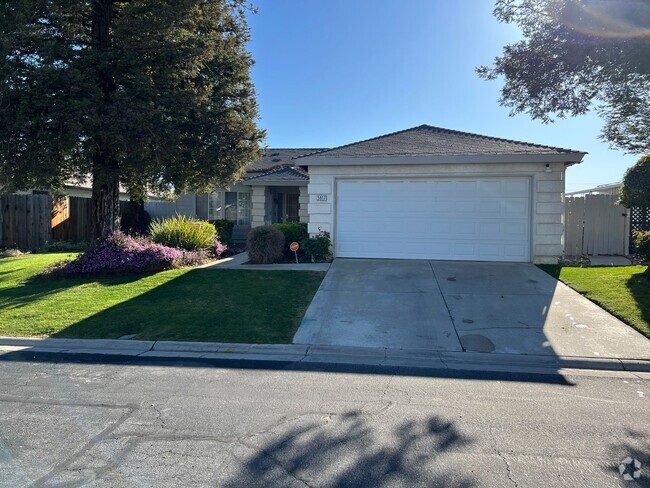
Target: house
[[420, 193]]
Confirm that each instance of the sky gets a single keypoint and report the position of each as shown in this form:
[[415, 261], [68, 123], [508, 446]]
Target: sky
[[332, 72]]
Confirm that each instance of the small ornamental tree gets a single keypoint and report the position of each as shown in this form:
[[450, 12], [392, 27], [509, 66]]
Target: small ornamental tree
[[636, 193], [153, 95], [636, 185]]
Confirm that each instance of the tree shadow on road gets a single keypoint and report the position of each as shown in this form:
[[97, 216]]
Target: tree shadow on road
[[348, 450]]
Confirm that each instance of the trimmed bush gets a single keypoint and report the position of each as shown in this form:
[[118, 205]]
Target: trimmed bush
[[317, 249], [183, 232], [642, 243], [121, 254], [265, 245], [224, 230], [293, 232]]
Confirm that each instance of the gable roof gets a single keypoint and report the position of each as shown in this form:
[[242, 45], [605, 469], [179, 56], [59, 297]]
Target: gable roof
[[427, 140], [278, 157], [280, 175]]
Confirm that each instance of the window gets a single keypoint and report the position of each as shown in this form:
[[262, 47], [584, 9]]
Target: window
[[244, 205], [292, 206], [214, 205], [238, 207]]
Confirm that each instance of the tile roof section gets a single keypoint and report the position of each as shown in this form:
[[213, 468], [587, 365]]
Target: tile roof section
[[274, 158], [427, 140], [280, 175]]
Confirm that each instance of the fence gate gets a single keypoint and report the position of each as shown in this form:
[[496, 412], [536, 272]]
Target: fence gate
[[595, 224]]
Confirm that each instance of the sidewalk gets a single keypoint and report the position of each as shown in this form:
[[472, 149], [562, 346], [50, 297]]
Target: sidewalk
[[238, 262], [412, 358]]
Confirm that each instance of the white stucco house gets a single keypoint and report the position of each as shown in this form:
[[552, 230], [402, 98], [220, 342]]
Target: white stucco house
[[420, 193]]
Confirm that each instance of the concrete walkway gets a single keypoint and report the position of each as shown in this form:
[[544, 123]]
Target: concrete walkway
[[295, 353], [507, 308], [239, 261]]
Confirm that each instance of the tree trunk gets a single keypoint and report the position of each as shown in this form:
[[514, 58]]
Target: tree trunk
[[105, 174], [106, 197]]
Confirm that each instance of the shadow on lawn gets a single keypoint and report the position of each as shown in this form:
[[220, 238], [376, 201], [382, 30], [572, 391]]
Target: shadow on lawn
[[34, 289], [348, 449], [639, 286]]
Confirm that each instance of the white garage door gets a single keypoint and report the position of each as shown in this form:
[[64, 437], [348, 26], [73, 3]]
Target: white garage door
[[484, 219]]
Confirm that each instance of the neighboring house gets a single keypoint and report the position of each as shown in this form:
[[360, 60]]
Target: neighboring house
[[421, 193], [607, 189]]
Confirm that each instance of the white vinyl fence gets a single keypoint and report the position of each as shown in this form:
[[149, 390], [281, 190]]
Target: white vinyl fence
[[596, 225]]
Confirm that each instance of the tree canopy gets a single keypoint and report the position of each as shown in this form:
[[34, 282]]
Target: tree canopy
[[576, 55], [154, 95]]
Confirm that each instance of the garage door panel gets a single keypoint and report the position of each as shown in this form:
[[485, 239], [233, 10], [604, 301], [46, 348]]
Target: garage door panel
[[456, 219]]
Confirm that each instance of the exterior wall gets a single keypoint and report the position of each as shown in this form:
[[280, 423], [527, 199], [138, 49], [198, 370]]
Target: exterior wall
[[186, 204], [547, 195], [258, 202], [303, 202]]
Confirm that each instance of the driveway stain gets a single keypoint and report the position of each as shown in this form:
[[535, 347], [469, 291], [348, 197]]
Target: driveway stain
[[477, 343]]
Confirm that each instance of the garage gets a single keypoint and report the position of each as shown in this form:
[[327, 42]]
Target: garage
[[466, 219], [440, 194]]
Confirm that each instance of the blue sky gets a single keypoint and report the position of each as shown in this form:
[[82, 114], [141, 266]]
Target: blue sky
[[331, 72]]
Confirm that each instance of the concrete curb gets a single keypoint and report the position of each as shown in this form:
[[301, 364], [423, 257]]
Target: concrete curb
[[413, 358]]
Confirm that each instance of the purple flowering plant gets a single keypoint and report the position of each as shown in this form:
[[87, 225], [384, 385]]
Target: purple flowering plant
[[121, 254]]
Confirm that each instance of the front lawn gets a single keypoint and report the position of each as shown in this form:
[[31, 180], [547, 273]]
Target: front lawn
[[622, 291], [183, 304]]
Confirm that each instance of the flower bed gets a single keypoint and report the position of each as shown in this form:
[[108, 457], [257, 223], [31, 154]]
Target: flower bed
[[123, 254]]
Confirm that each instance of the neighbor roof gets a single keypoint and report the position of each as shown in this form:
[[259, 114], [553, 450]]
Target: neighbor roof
[[427, 140], [280, 175], [274, 158]]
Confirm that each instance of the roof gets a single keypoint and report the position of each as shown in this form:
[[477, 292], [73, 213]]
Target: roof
[[427, 140], [274, 158], [280, 175]]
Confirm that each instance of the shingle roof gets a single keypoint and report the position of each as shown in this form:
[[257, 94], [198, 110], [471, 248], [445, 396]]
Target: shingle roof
[[427, 140], [280, 175], [274, 158]]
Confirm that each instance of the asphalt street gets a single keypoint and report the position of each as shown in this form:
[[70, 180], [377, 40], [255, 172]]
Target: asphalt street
[[95, 421]]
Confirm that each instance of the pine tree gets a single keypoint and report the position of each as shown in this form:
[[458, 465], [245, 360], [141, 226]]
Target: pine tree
[[154, 95]]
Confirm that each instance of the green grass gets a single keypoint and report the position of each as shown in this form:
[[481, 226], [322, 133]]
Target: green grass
[[186, 304], [622, 291]]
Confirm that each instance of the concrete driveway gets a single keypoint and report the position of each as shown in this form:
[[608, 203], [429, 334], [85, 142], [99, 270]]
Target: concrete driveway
[[461, 306]]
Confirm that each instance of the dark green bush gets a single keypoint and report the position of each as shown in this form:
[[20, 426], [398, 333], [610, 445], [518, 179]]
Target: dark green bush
[[642, 243], [224, 230], [183, 232], [134, 220], [265, 245], [317, 249], [293, 232]]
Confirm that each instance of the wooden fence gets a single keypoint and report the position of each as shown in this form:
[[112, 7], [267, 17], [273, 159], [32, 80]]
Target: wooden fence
[[596, 225], [25, 220], [29, 221]]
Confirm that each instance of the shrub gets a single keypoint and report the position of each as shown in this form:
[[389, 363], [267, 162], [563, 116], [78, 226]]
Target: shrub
[[134, 220], [317, 249], [293, 232], [64, 246], [642, 243], [122, 254], [265, 245], [183, 232], [224, 230]]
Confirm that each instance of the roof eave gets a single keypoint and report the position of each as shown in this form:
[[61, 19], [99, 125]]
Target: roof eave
[[567, 158]]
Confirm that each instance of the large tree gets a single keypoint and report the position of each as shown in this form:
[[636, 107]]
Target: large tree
[[576, 55], [154, 95]]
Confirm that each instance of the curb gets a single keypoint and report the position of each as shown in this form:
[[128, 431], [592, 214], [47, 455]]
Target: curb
[[416, 358]]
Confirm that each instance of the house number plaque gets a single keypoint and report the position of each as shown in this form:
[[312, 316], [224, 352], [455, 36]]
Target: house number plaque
[[321, 198]]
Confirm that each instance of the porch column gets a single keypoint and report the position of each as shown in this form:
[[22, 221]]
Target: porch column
[[258, 200], [303, 205]]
